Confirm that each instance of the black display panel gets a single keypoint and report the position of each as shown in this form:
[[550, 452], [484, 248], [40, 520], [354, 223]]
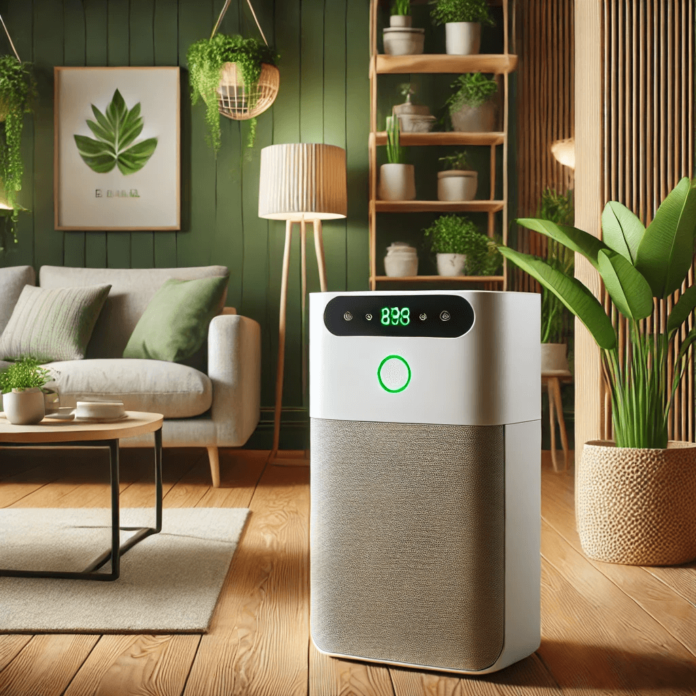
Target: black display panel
[[426, 316]]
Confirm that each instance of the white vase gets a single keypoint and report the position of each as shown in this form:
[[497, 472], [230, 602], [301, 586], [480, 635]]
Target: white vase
[[400, 21], [554, 357], [474, 119], [463, 38], [401, 261], [397, 182], [24, 407], [450, 265], [402, 41], [457, 185]]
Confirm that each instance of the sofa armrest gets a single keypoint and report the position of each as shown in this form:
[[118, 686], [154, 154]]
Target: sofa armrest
[[234, 367]]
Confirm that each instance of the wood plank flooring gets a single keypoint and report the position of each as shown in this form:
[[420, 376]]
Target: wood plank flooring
[[606, 629]]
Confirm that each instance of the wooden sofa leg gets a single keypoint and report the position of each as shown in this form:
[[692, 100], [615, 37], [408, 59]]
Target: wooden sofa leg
[[214, 457]]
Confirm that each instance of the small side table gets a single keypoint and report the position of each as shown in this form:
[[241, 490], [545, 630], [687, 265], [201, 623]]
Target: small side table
[[552, 379], [100, 435]]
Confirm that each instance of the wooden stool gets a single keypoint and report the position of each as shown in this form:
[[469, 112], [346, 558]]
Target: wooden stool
[[552, 380]]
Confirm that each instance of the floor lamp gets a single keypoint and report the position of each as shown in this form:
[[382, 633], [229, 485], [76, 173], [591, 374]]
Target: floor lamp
[[300, 183]]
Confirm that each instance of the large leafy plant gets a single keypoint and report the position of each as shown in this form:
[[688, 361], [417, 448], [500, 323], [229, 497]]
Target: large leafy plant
[[113, 145], [24, 374], [471, 89], [637, 265], [205, 59], [447, 11]]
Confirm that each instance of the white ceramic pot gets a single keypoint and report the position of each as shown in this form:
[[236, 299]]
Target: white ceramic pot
[[401, 261], [463, 38], [397, 182], [24, 407], [404, 41], [457, 185], [475, 119], [554, 357], [415, 123], [400, 21], [451, 264]]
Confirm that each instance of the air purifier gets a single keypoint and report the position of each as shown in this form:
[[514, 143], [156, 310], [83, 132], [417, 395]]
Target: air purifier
[[425, 477]]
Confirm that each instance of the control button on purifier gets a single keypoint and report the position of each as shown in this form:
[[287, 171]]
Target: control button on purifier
[[445, 315], [347, 316], [423, 316], [394, 374], [368, 317]]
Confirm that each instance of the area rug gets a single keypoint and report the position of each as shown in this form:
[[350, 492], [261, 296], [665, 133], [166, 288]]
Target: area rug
[[169, 583]]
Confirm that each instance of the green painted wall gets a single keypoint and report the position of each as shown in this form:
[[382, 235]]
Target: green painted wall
[[324, 97]]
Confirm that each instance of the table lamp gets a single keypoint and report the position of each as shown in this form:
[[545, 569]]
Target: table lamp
[[300, 183]]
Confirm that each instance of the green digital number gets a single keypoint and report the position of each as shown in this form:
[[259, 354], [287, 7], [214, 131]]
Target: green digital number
[[405, 316], [395, 314], [385, 316]]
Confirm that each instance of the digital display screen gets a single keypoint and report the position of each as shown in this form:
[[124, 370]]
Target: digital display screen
[[434, 316]]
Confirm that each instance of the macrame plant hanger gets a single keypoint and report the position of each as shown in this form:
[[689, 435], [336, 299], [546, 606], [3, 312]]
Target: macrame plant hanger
[[237, 100]]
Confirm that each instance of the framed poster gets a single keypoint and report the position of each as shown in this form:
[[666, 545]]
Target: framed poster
[[117, 142]]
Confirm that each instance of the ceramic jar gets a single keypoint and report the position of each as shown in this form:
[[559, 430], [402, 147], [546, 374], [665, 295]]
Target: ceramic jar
[[457, 185], [462, 38], [403, 41], [401, 261]]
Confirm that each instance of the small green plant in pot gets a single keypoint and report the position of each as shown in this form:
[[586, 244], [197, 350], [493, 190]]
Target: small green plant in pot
[[634, 496], [456, 181], [458, 243], [396, 178], [21, 384], [462, 20], [17, 91], [400, 14], [472, 105], [231, 75]]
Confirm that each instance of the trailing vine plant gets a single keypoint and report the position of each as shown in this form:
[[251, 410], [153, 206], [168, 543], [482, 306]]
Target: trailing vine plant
[[205, 59]]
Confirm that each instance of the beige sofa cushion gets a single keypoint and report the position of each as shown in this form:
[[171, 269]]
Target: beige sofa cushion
[[175, 391], [12, 282]]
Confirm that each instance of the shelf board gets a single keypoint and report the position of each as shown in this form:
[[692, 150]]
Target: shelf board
[[441, 279], [439, 206], [410, 139], [442, 63]]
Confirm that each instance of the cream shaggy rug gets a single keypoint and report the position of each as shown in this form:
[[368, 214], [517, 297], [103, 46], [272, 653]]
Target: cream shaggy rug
[[169, 582]]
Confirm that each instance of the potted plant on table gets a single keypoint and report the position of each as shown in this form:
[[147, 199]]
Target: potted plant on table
[[401, 39], [397, 181], [457, 181], [472, 106], [462, 20], [635, 496], [400, 14], [22, 385], [458, 243]]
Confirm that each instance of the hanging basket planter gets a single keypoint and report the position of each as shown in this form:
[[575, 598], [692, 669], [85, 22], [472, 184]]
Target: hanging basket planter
[[237, 102]]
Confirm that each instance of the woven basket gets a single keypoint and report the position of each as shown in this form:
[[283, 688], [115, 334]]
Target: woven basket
[[637, 506], [237, 102]]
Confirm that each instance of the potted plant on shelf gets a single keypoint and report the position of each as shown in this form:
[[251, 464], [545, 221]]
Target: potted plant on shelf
[[17, 89], [401, 39], [472, 106], [235, 75], [23, 398], [635, 496], [462, 20], [458, 243], [400, 14], [397, 181], [457, 181]]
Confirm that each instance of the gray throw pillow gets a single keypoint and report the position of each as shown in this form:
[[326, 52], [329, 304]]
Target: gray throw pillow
[[52, 325], [12, 282]]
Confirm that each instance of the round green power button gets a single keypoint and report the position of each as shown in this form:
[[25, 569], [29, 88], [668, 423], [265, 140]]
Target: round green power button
[[394, 374]]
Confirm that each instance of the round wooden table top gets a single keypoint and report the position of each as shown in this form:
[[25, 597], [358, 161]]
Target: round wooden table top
[[54, 431]]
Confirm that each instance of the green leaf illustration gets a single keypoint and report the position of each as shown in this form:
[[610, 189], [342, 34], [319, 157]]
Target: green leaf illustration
[[115, 132]]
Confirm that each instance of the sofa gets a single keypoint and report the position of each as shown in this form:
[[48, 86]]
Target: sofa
[[211, 401]]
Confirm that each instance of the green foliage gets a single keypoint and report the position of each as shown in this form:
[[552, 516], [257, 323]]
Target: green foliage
[[115, 132], [471, 89], [395, 153], [26, 373], [637, 266], [401, 7], [557, 207], [17, 90], [205, 59], [457, 161], [446, 11]]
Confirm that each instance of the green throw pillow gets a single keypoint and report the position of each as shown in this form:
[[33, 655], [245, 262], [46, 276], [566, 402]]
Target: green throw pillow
[[175, 324]]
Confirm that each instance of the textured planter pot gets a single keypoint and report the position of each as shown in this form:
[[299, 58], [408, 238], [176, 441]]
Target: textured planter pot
[[404, 42], [637, 506], [397, 182], [463, 38], [457, 185], [450, 265], [401, 265], [415, 123], [475, 119], [25, 407], [554, 357], [400, 21]]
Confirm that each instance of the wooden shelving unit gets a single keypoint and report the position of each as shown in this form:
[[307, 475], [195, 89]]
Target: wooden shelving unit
[[498, 64]]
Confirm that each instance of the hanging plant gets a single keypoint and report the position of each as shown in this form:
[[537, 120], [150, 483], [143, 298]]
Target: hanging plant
[[241, 97], [17, 89]]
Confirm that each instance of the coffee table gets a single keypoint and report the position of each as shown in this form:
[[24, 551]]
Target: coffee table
[[50, 433]]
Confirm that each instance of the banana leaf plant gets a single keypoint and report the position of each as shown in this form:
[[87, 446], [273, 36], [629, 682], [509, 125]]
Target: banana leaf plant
[[637, 265]]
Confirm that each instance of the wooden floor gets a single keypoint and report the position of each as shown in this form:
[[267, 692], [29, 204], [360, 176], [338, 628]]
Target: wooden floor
[[606, 629]]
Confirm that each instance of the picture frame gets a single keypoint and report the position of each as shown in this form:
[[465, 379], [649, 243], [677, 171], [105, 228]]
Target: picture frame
[[117, 148]]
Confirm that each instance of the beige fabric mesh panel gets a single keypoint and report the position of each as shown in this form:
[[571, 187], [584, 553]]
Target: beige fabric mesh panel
[[407, 542]]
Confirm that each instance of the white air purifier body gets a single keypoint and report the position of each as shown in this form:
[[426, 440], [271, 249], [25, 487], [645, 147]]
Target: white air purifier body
[[425, 478]]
